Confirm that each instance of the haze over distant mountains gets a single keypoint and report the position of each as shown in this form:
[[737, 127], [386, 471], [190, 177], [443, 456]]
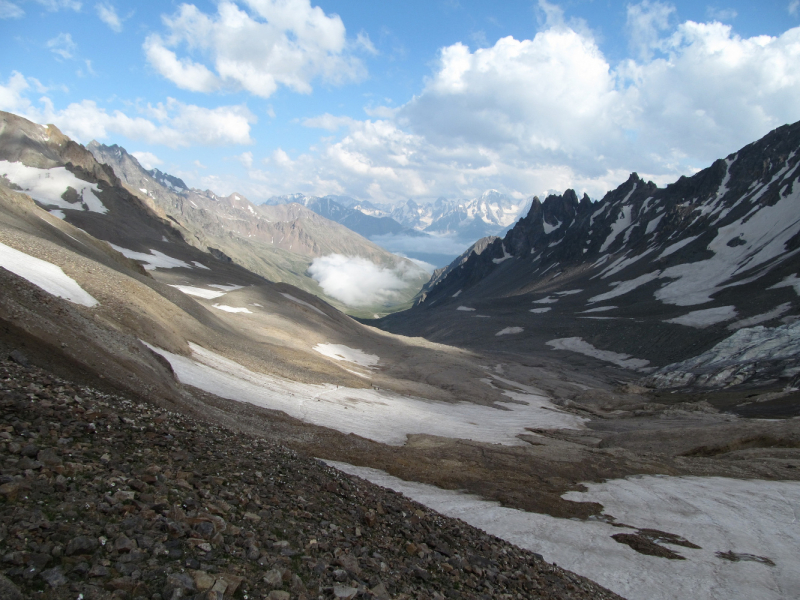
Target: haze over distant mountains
[[435, 232]]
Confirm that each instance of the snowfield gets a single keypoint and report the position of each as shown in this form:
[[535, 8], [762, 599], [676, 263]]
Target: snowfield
[[705, 318], [755, 518], [353, 355], [380, 415], [45, 275], [576, 344], [152, 261], [48, 186]]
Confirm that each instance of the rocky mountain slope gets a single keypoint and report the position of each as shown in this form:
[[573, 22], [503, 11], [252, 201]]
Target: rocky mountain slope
[[277, 242], [646, 275]]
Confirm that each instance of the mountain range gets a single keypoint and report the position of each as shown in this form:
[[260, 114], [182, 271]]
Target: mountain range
[[702, 270], [610, 386], [278, 242]]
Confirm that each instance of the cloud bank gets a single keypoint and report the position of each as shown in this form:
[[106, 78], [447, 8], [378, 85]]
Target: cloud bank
[[257, 48], [357, 281], [551, 112]]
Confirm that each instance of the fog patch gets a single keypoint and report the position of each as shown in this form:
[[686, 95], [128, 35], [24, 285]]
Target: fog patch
[[357, 281]]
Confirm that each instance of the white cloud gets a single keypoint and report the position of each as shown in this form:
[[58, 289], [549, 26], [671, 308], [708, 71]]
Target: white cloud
[[108, 15], [147, 159], [645, 23], [56, 5], [9, 10], [62, 45], [171, 123], [246, 158], [794, 7], [528, 116], [357, 281], [722, 14], [270, 44]]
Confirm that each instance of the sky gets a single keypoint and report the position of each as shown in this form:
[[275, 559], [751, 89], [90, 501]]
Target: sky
[[390, 101]]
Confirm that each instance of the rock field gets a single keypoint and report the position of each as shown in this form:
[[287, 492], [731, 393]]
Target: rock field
[[105, 497]]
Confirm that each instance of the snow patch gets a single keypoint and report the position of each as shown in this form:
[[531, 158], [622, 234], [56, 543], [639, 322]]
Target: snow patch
[[199, 292], [465, 308], [306, 304], [598, 309], [200, 265], [790, 281], [623, 287], [457, 294], [505, 257], [152, 261], [380, 415], [762, 318], [550, 228], [677, 246], [539, 311], [353, 355], [576, 344], [45, 275], [49, 185], [716, 513], [705, 318], [546, 300], [232, 309], [510, 331]]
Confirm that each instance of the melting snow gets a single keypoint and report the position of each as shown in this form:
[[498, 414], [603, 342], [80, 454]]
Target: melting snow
[[677, 246], [505, 257], [623, 287], [457, 294], [550, 228], [58, 213], [200, 265], [539, 311], [718, 514], [576, 344], [226, 288], [509, 331], [199, 292], [546, 300], [152, 261], [45, 275], [353, 355], [568, 292], [306, 304], [762, 318], [48, 185], [232, 309], [790, 281], [652, 224], [380, 415], [705, 318], [598, 309], [465, 308], [621, 224]]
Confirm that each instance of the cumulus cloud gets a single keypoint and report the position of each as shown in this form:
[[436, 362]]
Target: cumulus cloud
[[108, 15], [171, 123], [62, 45], [357, 281], [147, 159], [551, 112], [268, 44]]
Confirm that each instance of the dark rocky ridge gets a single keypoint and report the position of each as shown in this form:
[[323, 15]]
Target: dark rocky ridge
[[103, 497], [577, 253]]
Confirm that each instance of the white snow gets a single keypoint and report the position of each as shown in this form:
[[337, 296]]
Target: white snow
[[718, 514], [765, 235], [199, 292], [226, 288], [652, 224], [621, 224], [705, 318], [622, 263], [539, 311], [762, 318], [505, 257], [232, 309], [510, 331], [58, 213], [465, 308], [48, 185], [306, 304], [550, 228], [789, 281], [457, 294], [576, 344], [45, 275], [598, 309], [677, 246], [200, 265], [568, 292], [623, 287], [380, 415], [353, 355], [152, 261], [546, 300]]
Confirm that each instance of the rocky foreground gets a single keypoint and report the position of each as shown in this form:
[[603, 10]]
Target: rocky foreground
[[105, 497]]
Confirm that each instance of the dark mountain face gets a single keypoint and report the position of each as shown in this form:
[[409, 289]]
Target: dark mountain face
[[658, 274], [170, 182]]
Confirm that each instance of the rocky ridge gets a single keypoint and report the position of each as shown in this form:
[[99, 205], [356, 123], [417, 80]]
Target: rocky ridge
[[104, 497]]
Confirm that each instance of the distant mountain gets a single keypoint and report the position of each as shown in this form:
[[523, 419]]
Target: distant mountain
[[278, 242], [335, 209], [645, 277]]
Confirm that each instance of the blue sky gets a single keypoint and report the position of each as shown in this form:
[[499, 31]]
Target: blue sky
[[395, 100]]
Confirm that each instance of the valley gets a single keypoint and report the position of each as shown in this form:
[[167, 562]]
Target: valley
[[609, 385]]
